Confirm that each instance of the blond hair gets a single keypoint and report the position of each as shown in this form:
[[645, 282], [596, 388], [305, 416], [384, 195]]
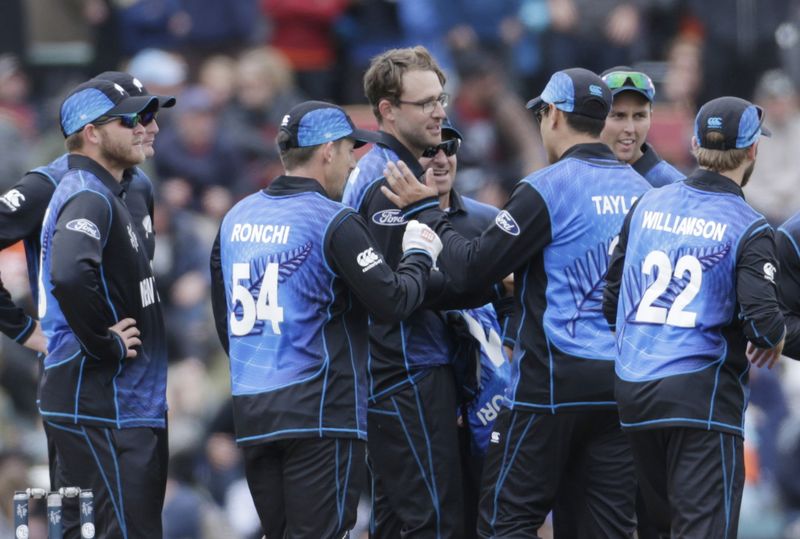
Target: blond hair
[[384, 78], [719, 160]]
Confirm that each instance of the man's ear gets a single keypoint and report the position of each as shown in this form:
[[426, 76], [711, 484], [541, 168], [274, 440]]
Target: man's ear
[[386, 109], [752, 151], [91, 134], [327, 152]]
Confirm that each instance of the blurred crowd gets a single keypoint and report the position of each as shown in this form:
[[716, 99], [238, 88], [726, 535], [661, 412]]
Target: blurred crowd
[[236, 67]]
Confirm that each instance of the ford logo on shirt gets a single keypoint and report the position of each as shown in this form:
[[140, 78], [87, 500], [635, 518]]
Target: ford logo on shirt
[[507, 223], [84, 226], [388, 218]]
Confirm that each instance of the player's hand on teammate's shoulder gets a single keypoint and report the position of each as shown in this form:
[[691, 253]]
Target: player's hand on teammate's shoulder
[[404, 188], [761, 357], [127, 330]]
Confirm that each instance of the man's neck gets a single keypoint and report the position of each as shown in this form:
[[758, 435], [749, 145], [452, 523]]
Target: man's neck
[[572, 139], [312, 171], [115, 169], [736, 175], [390, 129], [444, 200]]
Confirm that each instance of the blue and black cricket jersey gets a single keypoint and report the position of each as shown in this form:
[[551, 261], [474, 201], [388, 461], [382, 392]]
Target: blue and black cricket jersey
[[554, 234], [692, 278], [21, 211], [787, 241], [400, 352], [655, 170], [95, 271], [292, 273]]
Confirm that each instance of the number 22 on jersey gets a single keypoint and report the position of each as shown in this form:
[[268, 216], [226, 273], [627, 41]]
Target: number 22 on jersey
[[265, 308], [676, 316]]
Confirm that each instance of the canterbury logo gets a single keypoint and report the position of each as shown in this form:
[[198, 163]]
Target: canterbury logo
[[368, 259], [13, 199]]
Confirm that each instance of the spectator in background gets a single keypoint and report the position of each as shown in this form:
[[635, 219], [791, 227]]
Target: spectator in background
[[304, 33], [182, 280], [264, 92], [146, 24], [217, 27], [194, 151], [738, 43], [218, 75], [774, 188], [500, 136], [17, 121], [591, 33], [164, 73]]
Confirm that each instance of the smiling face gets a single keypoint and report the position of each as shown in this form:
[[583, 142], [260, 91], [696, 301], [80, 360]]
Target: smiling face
[[627, 125], [444, 169], [415, 128]]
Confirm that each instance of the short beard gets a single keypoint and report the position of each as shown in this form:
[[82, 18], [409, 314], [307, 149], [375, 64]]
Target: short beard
[[116, 156], [747, 173]]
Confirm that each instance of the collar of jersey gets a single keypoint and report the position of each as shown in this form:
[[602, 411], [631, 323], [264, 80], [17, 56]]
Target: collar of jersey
[[293, 185], [90, 165], [708, 180], [589, 150]]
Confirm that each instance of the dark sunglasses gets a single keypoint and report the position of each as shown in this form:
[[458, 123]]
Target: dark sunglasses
[[619, 79], [449, 147], [129, 120]]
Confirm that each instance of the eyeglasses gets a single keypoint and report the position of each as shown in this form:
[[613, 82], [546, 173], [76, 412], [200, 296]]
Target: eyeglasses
[[430, 104], [129, 120], [619, 79], [449, 147]]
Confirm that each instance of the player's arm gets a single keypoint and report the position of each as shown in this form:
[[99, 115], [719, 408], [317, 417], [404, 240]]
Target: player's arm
[[355, 256], [218, 304], [614, 273], [520, 231], [757, 293], [21, 210], [788, 250], [76, 259]]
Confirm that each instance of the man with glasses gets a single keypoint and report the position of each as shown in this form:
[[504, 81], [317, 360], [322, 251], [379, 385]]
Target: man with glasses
[[691, 291], [628, 123], [413, 442], [103, 389], [555, 234]]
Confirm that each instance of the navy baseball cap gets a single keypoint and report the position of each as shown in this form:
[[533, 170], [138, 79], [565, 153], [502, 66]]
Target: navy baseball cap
[[95, 98], [738, 120], [578, 91], [450, 130], [316, 122], [626, 79], [134, 86]]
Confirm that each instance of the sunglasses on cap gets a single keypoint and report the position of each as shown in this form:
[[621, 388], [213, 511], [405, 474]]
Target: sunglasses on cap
[[129, 120], [638, 80], [449, 147]]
